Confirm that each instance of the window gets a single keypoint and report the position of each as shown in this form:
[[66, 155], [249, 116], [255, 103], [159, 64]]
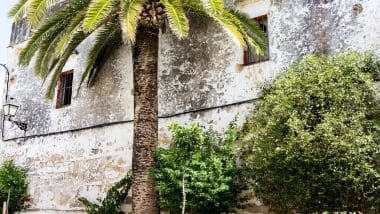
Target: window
[[250, 55], [65, 86]]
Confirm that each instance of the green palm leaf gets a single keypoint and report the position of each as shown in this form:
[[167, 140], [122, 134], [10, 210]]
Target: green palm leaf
[[213, 6], [130, 12], [108, 36], [227, 24], [69, 32], [19, 10], [37, 10], [97, 11], [42, 52], [249, 28], [48, 60], [40, 37], [177, 18], [194, 7], [74, 42], [50, 29]]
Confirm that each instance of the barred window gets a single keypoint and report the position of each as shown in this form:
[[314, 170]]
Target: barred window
[[65, 85], [250, 56]]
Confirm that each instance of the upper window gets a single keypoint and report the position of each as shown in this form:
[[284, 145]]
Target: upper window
[[65, 86], [250, 55]]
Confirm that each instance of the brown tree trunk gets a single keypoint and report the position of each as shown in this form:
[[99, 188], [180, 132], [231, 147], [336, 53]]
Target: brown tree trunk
[[145, 58]]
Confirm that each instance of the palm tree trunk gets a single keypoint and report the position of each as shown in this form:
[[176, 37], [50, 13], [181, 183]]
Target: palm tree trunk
[[145, 58]]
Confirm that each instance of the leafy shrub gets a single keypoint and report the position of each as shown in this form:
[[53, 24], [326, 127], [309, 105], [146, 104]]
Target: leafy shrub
[[198, 171], [313, 140], [13, 178], [113, 200]]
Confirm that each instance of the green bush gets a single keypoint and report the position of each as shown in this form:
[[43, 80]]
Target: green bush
[[312, 144], [204, 164], [111, 204], [14, 178]]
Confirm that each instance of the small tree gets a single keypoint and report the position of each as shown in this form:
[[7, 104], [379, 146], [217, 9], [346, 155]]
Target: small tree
[[198, 173], [313, 141], [13, 178]]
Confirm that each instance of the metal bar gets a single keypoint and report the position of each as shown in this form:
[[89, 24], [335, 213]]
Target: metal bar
[[6, 100]]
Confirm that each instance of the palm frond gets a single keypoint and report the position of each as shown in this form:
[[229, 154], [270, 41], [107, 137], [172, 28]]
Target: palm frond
[[178, 21], [37, 10], [130, 12], [114, 43], [74, 42], [40, 56], [227, 24], [97, 11], [40, 37], [50, 29], [253, 34], [107, 37], [46, 64], [194, 7], [71, 29], [213, 6], [18, 10]]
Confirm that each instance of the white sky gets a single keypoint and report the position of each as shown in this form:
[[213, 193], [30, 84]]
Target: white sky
[[5, 33], [5, 28]]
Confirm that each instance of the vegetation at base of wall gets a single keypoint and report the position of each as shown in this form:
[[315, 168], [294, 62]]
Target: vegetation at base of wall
[[13, 178], [113, 200], [198, 171], [313, 142]]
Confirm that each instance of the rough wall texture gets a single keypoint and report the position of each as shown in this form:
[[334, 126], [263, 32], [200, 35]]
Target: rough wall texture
[[81, 149]]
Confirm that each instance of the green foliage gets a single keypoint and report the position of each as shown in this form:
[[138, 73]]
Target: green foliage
[[313, 140], [14, 178], [113, 200], [207, 164], [177, 17]]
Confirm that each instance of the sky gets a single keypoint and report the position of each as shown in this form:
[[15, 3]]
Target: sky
[[5, 32], [5, 28]]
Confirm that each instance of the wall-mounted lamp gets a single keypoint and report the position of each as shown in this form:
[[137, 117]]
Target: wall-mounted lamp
[[10, 111]]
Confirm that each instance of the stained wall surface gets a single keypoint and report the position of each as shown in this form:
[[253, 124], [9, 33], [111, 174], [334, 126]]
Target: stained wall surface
[[82, 149]]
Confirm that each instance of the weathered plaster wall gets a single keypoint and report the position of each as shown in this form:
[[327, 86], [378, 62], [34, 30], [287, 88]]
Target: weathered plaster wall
[[109, 100], [64, 167], [80, 150]]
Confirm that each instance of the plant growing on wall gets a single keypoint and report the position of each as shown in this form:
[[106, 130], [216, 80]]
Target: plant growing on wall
[[198, 173], [13, 182], [139, 22], [313, 143], [113, 200]]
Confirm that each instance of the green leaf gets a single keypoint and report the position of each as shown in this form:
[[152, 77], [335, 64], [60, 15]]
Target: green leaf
[[108, 36], [19, 10], [71, 29], [213, 6], [97, 12], [130, 12], [75, 41], [37, 10], [177, 19]]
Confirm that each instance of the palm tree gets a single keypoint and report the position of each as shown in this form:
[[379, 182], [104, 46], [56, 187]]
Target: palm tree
[[138, 23]]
